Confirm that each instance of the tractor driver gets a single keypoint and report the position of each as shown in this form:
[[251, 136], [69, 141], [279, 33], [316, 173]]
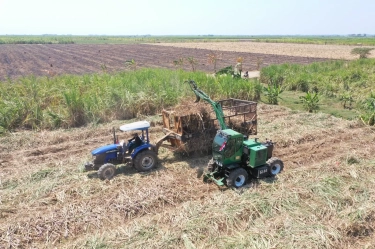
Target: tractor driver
[[133, 143]]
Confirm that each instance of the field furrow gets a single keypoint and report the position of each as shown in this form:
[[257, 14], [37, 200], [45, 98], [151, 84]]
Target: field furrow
[[24, 60], [74, 203]]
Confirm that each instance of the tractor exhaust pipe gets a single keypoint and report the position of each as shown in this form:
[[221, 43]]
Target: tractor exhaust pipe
[[115, 138]]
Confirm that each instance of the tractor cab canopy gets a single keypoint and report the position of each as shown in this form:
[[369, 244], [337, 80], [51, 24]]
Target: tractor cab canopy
[[140, 125], [137, 126]]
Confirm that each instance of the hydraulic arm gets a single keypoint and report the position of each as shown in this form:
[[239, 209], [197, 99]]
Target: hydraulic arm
[[215, 105]]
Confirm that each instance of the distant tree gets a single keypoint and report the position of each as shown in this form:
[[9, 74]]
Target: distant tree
[[238, 67], [259, 63], [193, 63], [104, 68], [213, 58], [131, 64], [179, 63], [362, 52]]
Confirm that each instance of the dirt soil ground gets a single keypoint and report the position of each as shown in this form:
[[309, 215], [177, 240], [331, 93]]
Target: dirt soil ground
[[50, 60], [289, 49], [46, 201]]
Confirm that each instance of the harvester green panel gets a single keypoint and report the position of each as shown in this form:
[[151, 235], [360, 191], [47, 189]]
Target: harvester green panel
[[258, 153], [250, 143], [232, 133]]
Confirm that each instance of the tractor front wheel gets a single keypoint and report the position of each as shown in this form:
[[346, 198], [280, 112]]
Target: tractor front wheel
[[237, 178], [145, 160], [107, 171], [275, 166]]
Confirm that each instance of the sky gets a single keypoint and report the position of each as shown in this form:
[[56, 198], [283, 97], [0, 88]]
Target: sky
[[187, 17]]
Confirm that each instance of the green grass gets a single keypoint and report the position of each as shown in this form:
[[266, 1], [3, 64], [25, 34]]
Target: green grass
[[98, 39], [321, 40], [34, 39], [334, 81], [327, 105], [73, 101], [65, 39]]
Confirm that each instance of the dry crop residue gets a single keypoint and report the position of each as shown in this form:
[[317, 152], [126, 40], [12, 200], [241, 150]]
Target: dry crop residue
[[46, 201], [286, 49]]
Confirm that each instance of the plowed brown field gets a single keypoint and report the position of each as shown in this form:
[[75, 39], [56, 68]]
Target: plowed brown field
[[47, 60]]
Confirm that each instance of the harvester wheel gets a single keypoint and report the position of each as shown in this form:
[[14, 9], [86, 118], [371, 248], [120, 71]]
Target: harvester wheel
[[145, 160], [107, 171], [275, 166], [237, 178]]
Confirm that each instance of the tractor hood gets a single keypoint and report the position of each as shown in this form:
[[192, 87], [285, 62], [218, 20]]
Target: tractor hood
[[105, 149]]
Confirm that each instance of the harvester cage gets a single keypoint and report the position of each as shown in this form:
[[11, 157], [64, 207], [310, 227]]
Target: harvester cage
[[192, 127]]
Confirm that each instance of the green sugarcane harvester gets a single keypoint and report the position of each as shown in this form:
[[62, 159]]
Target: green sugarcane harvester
[[234, 156]]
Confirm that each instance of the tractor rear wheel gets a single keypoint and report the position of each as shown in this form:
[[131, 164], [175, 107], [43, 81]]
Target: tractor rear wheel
[[275, 166], [145, 160], [107, 171], [237, 178]]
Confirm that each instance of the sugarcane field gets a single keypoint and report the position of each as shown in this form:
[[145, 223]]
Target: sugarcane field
[[199, 144]]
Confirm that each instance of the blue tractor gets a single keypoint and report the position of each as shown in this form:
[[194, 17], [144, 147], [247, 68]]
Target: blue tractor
[[136, 150]]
